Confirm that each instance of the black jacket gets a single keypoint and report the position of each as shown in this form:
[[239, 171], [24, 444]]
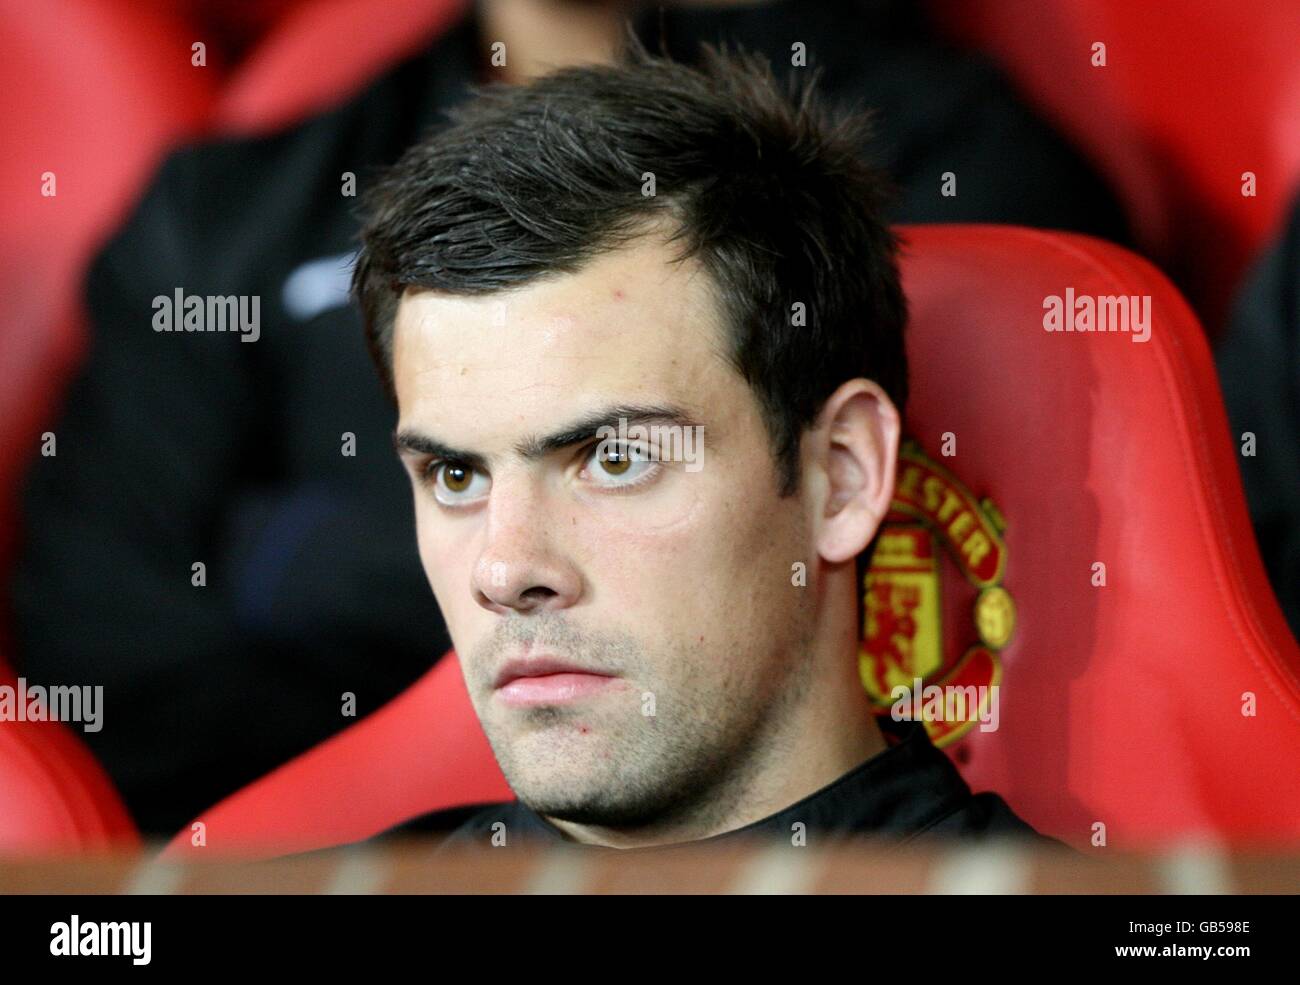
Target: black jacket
[[181, 448], [1259, 367]]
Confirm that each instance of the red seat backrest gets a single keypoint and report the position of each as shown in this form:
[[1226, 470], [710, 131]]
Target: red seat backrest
[[322, 51], [1121, 705], [54, 797], [1191, 96]]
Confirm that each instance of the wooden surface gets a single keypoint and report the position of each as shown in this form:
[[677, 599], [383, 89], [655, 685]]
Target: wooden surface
[[868, 868]]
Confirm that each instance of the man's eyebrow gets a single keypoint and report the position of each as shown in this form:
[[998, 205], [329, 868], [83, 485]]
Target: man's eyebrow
[[538, 446]]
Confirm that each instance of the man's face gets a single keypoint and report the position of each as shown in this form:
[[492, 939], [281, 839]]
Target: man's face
[[668, 582]]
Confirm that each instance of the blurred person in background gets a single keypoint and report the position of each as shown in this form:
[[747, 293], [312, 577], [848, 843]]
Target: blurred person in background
[[1258, 359], [270, 464]]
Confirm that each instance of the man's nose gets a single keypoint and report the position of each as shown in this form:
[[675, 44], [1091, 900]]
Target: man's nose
[[521, 568]]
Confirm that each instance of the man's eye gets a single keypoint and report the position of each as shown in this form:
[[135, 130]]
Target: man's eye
[[620, 464], [455, 484]]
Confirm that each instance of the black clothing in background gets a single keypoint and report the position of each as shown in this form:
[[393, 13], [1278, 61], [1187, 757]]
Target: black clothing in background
[[195, 447], [1258, 359]]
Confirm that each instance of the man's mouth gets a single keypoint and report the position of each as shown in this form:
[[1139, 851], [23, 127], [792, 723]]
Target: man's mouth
[[542, 679]]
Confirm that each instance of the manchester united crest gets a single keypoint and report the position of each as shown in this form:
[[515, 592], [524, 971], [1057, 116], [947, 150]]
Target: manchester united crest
[[912, 591]]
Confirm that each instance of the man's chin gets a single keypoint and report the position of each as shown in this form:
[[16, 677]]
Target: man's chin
[[577, 787], [599, 810]]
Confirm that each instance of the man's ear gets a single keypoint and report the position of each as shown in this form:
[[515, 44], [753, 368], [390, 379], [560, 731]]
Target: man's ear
[[855, 444]]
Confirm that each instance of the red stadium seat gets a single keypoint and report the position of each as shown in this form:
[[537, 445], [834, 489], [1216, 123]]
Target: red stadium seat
[[54, 798], [1122, 705], [322, 51], [1191, 96]]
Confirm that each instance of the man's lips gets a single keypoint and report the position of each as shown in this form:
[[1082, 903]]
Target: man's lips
[[541, 665], [547, 680]]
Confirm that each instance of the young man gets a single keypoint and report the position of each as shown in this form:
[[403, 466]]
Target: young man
[[644, 329]]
